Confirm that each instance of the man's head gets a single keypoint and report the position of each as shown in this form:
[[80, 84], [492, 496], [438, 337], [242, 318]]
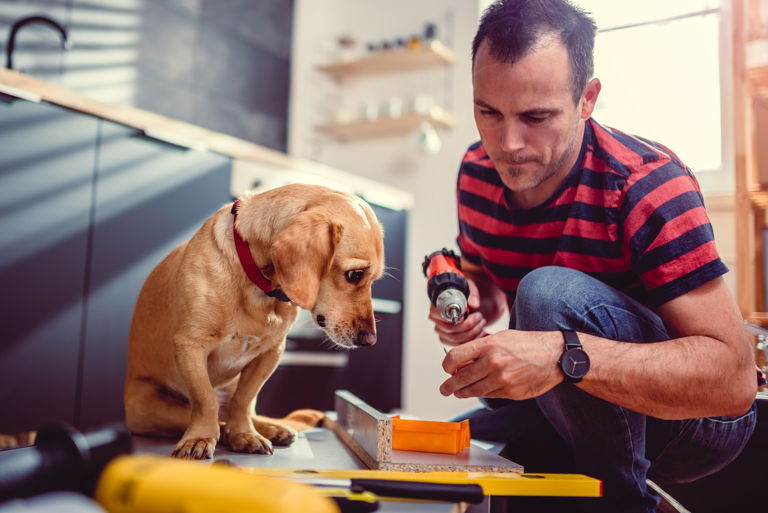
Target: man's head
[[531, 100], [514, 27]]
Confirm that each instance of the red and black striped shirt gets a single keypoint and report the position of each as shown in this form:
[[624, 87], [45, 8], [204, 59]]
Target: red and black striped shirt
[[629, 213]]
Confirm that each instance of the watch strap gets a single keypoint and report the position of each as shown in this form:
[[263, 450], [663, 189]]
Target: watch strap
[[571, 339]]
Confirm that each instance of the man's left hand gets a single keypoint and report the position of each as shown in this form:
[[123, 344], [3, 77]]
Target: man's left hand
[[509, 364]]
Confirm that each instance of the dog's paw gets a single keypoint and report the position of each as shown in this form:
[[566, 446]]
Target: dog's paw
[[253, 443], [195, 448], [278, 433]]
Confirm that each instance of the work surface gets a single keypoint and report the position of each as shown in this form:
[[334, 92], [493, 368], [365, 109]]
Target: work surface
[[315, 449], [320, 449]]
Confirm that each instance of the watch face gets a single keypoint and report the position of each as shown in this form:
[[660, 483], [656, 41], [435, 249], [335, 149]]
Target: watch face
[[574, 363]]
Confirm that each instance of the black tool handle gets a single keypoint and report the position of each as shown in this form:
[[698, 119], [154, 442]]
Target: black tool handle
[[472, 493], [62, 458]]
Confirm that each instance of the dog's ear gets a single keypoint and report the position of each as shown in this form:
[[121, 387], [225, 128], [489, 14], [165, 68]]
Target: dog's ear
[[302, 254]]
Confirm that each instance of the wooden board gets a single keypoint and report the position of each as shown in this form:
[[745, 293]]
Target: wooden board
[[368, 433]]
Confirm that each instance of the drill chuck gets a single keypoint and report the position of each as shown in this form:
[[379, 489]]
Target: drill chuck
[[452, 305]]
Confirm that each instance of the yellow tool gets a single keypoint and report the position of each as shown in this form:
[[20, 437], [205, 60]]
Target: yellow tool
[[160, 484], [492, 483]]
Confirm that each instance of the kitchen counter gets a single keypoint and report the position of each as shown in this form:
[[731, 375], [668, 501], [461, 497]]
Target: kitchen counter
[[195, 137], [316, 448]]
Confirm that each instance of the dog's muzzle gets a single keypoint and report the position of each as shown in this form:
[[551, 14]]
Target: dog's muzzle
[[365, 338]]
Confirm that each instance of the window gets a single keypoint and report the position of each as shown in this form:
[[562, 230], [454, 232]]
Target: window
[[659, 65]]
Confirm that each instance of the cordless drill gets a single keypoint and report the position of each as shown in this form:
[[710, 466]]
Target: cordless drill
[[447, 288]]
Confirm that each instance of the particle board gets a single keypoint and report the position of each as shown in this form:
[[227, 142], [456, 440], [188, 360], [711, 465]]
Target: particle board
[[368, 433]]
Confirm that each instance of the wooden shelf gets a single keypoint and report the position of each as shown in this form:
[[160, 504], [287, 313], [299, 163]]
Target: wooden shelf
[[429, 54], [759, 198], [408, 122], [758, 81]]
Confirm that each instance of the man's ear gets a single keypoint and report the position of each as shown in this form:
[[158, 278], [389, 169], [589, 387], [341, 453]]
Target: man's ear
[[302, 254], [589, 99]]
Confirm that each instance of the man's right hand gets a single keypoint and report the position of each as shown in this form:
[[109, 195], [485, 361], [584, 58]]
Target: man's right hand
[[468, 329]]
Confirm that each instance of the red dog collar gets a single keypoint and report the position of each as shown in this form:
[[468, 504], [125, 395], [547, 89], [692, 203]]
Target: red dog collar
[[249, 266]]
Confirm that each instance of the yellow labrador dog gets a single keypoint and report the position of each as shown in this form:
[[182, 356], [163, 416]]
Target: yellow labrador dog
[[211, 319]]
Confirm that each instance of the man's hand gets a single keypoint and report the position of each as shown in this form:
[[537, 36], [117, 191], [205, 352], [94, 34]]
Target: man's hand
[[509, 364], [468, 329]]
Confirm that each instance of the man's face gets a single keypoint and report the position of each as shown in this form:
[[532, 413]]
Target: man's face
[[527, 118]]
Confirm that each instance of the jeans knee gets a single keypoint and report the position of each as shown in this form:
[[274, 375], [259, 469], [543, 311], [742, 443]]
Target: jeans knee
[[544, 296], [541, 285]]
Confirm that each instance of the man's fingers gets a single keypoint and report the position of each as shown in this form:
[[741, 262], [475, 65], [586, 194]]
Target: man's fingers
[[461, 338], [473, 301], [480, 388], [454, 334], [468, 382], [462, 359]]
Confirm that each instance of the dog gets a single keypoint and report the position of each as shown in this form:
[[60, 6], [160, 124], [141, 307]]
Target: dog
[[210, 321]]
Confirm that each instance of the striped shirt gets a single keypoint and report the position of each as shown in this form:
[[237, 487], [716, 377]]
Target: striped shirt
[[629, 213]]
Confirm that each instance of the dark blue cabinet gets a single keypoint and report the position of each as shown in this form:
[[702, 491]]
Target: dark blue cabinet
[[149, 197], [87, 209], [46, 177]]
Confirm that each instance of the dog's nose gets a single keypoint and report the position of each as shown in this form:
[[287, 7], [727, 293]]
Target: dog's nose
[[321, 321], [365, 338]]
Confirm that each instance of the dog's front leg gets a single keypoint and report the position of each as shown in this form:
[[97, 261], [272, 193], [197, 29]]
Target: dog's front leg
[[239, 431], [202, 434]]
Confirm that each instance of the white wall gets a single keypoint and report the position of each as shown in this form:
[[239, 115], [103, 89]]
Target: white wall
[[393, 160]]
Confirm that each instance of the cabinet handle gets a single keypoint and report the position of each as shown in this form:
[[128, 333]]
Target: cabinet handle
[[314, 359], [389, 306], [170, 139]]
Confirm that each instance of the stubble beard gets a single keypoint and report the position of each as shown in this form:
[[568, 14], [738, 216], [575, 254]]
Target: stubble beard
[[537, 176]]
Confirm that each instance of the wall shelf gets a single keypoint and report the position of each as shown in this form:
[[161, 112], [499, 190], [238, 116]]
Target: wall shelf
[[409, 122], [758, 81], [433, 53]]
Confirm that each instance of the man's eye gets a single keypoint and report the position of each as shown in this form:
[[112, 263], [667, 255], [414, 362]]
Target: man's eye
[[485, 112], [536, 119], [355, 275]]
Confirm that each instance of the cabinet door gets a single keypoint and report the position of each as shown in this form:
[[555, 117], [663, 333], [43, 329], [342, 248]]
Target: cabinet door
[[149, 198], [46, 178]]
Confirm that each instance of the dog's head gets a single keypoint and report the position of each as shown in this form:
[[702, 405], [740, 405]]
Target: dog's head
[[326, 259]]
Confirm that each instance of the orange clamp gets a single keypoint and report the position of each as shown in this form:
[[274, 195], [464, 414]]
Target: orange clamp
[[429, 436]]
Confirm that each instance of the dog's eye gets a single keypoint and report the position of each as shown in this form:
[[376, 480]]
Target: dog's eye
[[355, 275]]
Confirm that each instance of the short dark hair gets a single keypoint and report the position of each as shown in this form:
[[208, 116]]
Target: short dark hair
[[512, 27]]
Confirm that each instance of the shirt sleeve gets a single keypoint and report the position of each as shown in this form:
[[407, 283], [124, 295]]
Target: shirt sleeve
[[668, 233]]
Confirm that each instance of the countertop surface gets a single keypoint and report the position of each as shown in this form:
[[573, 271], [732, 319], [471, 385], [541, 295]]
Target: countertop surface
[[315, 448]]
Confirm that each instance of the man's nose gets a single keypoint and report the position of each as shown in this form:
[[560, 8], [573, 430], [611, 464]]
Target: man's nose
[[511, 138]]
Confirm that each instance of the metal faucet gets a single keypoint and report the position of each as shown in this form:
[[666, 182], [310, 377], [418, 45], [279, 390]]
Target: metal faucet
[[32, 19]]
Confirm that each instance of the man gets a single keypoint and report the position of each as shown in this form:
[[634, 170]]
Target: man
[[599, 244]]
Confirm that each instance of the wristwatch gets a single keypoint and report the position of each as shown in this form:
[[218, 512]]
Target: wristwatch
[[574, 361]]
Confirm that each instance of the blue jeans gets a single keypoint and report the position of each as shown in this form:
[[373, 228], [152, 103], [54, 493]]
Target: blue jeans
[[619, 446]]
